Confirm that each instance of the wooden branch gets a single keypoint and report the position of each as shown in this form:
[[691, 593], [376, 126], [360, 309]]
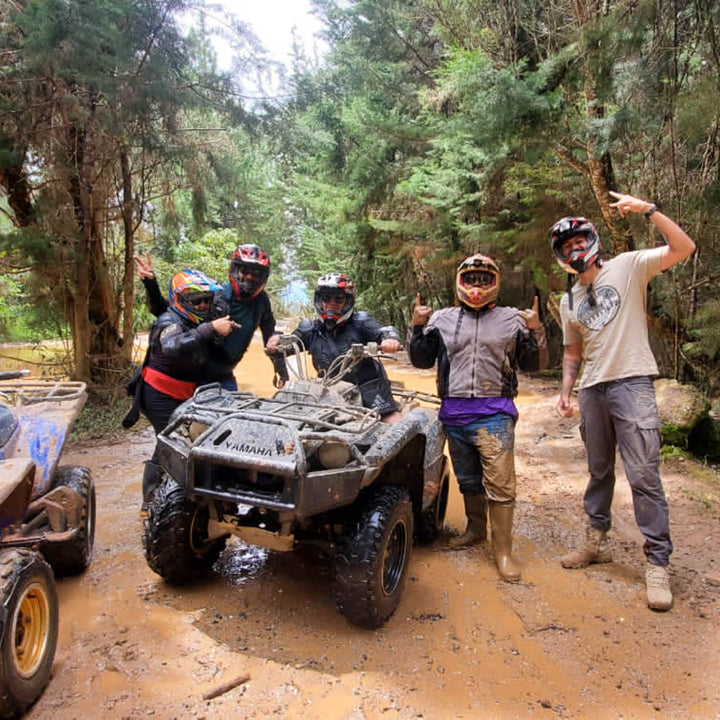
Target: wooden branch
[[226, 687]]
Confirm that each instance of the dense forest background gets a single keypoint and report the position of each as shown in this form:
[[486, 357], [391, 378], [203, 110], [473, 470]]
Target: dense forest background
[[430, 130]]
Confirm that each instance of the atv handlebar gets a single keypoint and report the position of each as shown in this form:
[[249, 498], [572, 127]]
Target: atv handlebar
[[292, 345], [13, 374]]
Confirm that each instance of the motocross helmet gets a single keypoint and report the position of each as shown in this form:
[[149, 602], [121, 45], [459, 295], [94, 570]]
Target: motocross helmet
[[249, 271], [578, 261], [191, 295], [477, 282], [338, 287]]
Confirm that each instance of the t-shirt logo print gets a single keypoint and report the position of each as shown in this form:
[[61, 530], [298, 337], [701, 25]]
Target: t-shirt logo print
[[606, 308]]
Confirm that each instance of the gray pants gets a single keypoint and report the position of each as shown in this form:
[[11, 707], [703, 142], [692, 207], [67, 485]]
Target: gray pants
[[624, 412]]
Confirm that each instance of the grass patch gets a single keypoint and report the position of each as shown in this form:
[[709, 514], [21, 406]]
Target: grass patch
[[101, 419]]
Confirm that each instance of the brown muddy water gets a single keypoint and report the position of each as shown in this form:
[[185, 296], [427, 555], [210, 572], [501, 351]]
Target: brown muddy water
[[462, 644]]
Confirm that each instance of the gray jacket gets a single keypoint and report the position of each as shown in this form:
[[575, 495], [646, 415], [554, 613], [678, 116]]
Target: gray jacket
[[478, 351]]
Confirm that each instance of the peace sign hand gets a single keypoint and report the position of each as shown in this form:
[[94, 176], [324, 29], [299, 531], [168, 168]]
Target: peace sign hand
[[144, 267]]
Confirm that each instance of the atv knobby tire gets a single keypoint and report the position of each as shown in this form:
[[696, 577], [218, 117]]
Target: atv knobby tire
[[176, 544], [432, 521], [28, 629], [71, 557], [372, 562]]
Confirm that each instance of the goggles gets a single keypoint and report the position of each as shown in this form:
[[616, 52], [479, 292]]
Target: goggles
[[478, 278]]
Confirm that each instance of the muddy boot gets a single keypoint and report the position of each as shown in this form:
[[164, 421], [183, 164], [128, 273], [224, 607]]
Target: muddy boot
[[476, 530], [501, 524], [595, 550], [152, 477], [657, 583]]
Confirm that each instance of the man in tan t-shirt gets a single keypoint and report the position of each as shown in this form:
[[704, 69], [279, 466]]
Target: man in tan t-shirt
[[604, 319]]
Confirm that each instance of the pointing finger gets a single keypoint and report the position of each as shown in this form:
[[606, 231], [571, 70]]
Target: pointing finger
[[418, 300]]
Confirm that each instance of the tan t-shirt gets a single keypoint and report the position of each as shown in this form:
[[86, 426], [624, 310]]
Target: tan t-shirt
[[614, 333]]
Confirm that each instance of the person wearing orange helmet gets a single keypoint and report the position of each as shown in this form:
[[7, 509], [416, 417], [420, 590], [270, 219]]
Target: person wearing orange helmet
[[478, 346], [605, 331]]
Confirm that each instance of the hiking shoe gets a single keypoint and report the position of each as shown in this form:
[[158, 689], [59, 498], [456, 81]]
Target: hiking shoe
[[657, 582], [595, 550]]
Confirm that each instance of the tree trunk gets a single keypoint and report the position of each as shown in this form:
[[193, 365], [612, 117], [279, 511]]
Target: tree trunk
[[128, 284]]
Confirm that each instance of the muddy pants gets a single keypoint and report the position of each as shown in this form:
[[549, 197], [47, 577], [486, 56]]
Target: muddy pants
[[624, 412], [483, 456]]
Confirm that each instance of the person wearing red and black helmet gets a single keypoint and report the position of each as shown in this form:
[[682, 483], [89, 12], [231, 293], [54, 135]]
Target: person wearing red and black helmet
[[179, 346], [338, 326], [246, 302], [478, 346], [605, 331]]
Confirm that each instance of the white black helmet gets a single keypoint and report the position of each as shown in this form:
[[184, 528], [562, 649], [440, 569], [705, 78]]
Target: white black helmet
[[340, 287]]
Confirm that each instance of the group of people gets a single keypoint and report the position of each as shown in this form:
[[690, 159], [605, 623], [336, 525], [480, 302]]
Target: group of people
[[203, 329]]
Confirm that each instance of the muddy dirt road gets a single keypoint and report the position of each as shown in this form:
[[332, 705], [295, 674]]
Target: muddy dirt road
[[560, 644]]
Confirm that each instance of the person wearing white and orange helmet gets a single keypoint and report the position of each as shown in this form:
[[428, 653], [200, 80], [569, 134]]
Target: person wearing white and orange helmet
[[478, 346]]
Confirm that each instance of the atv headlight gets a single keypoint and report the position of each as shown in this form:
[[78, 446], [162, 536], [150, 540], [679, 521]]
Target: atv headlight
[[334, 455]]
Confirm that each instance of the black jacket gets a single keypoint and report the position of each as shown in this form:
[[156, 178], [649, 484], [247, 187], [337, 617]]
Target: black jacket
[[325, 345]]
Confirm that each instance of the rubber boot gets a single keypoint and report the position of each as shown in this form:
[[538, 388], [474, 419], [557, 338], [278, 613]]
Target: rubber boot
[[476, 530], [152, 477], [595, 550], [501, 523]]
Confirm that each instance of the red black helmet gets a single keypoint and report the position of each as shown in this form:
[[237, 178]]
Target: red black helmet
[[477, 282], [337, 287], [249, 271], [577, 261]]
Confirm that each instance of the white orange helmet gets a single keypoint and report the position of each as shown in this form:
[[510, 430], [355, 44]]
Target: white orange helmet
[[478, 281]]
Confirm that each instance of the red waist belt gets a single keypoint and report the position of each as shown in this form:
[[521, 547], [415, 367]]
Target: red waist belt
[[176, 389]]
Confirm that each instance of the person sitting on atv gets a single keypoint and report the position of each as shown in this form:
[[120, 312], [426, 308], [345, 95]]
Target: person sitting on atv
[[248, 306], [179, 346], [337, 327]]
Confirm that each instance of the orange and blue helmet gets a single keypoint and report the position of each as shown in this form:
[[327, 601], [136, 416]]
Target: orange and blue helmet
[[249, 270], [191, 295]]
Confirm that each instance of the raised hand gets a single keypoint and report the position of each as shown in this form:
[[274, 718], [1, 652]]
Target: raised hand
[[144, 267], [628, 203], [421, 313], [531, 316]]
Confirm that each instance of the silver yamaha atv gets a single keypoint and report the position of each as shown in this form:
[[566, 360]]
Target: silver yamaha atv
[[309, 465]]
